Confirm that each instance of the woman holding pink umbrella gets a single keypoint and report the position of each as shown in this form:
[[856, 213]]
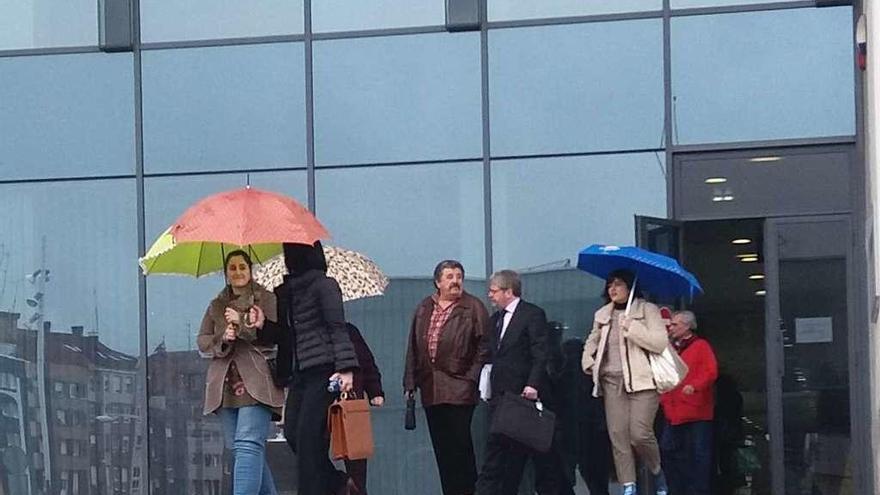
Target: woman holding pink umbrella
[[239, 386]]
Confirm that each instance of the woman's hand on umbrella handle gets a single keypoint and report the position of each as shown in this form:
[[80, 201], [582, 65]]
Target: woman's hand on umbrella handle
[[229, 334], [256, 316], [232, 316], [624, 321]]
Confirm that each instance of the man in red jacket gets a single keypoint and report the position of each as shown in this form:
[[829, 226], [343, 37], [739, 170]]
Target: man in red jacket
[[687, 440]]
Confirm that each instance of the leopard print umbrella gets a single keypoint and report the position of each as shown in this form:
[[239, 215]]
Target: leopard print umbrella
[[358, 276]]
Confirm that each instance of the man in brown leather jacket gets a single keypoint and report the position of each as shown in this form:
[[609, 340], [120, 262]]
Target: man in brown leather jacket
[[447, 349]]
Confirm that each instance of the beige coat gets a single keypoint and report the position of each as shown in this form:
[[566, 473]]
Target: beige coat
[[647, 332], [249, 358]]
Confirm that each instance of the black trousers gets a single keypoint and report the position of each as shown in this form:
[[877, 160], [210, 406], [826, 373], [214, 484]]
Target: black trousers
[[504, 464], [450, 428], [305, 428], [594, 457], [357, 471], [551, 468]]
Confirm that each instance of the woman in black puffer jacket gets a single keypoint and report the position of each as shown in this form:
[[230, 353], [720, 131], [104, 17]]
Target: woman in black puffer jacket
[[313, 348]]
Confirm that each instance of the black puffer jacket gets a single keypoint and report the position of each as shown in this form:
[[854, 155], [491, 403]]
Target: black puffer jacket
[[311, 320]]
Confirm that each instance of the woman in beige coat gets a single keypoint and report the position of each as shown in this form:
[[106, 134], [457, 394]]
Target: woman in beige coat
[[239, 385], [615, 354]]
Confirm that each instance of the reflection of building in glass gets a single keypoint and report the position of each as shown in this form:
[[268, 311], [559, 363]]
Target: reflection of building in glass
[[186, 446], [92, 421]]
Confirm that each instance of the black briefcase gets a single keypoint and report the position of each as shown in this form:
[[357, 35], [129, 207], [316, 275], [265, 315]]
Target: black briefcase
[[524, 421]]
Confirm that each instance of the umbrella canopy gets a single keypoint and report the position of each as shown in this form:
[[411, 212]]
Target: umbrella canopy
[[249, 219], [248, 216], [660, 275], [196, 259], [357, 275]]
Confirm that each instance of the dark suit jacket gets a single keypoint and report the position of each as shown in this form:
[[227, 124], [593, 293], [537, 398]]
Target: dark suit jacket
[[520, 359]]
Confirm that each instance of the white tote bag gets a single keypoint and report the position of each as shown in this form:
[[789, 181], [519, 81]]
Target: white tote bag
[[668, 369]]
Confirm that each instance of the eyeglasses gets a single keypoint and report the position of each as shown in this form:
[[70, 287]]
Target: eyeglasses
[[496, 290]]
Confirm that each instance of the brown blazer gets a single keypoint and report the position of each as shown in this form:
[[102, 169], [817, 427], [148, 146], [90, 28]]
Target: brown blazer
[[461, 352], [249, 358], [647, 333]]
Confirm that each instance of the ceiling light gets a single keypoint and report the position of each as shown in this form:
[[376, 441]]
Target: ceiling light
[[749, 259], [741, 241], [761, 292], [756, 276], [717, 199], [747, 255], [765, 159], [729, 197], [716, 180]]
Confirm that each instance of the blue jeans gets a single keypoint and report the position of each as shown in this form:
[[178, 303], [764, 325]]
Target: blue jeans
[[687, 457], [246, 429]]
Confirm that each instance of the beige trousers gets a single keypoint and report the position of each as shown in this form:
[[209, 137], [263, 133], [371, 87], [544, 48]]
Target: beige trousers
[[630, 418]]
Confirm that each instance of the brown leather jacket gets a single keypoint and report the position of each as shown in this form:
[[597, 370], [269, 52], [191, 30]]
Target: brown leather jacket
[[249, 357], [461, 351]]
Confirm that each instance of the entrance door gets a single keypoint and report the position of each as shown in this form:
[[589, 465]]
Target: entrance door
[[660, 235], [807, 261]]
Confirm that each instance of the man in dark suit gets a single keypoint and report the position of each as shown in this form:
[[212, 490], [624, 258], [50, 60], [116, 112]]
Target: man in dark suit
[[517, 366]]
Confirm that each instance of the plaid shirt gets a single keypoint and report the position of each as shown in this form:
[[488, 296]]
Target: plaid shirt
[[438, 319]]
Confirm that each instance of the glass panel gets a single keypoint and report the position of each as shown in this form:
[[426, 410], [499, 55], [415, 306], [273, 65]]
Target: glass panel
[[406, 218], [589, 206], [815, 387], [784, 74], [379, 210], [344, 15], [224, 108], [612, 188], [576, 88], [683, 4], [83, 127], [400, 98], [46, 24], [732, 320], [512, 10], [187, 448], [763, 183], [69, 337], [167, 20]]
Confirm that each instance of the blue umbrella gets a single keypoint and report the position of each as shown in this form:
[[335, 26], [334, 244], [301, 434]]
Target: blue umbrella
[[660, 275]]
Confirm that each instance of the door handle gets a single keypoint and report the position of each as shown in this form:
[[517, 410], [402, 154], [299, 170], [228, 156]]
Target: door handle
[[780, 349]]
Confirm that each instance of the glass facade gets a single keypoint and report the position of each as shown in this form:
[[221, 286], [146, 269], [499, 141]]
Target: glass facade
[[167, 20], [512, 150], [785, 74], [514, 10], [48, 24], [576, 88]]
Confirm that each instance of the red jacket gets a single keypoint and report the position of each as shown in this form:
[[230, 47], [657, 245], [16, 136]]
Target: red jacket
[[702, 372]]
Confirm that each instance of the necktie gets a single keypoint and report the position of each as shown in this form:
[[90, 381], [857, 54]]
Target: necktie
[[499, 325]]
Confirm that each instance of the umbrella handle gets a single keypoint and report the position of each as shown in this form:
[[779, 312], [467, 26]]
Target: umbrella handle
[[632, 292]]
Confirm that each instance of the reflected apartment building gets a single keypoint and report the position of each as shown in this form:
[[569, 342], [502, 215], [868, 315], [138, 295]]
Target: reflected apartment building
[[92, 416]]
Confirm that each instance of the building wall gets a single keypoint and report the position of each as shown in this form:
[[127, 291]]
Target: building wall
[[872, 158]]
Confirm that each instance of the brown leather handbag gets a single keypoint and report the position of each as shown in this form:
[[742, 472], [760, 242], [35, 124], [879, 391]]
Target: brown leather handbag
[[351, 434]]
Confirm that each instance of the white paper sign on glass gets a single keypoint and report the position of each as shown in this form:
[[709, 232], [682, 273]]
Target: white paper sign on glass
[[813, 330]]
